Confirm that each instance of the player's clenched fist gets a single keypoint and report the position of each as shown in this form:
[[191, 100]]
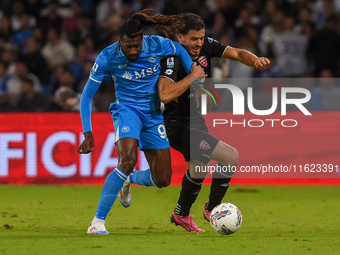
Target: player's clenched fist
[[87, 145], [197, 72]]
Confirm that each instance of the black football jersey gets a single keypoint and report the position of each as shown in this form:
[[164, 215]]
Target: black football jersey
[[184, 107]]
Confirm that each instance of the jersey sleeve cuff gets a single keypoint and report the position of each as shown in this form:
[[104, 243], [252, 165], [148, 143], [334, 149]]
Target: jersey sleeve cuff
[[163, 76]]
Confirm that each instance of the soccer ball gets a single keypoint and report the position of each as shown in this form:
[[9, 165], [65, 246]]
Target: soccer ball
[[226, 218]]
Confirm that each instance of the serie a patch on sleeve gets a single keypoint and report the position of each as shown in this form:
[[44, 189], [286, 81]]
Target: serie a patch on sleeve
[[170, 63]]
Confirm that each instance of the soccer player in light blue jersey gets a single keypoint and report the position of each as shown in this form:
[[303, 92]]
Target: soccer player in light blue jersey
[[133, 64]]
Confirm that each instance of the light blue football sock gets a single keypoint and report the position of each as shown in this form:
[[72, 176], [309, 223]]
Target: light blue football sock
[[113, 183], [142, 177]]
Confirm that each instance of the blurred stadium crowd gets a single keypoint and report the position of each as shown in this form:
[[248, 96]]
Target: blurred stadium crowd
[[47, 47]]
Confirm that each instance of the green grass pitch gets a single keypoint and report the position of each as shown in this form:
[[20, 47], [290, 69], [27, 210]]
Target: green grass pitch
[[276, 220]]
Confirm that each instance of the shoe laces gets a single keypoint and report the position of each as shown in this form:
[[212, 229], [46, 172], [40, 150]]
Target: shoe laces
[[191, 222]]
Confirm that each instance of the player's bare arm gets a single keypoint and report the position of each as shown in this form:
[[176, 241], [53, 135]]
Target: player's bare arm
[[245, 57], [87, 145], [169, 90]]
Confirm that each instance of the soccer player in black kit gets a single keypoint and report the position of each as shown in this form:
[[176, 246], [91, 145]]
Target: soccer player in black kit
[[185, 126]]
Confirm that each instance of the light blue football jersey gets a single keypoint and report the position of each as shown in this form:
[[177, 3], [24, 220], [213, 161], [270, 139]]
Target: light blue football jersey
[[135, 82]]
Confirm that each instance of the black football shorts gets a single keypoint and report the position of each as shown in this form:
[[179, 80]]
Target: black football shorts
[[193, 142]]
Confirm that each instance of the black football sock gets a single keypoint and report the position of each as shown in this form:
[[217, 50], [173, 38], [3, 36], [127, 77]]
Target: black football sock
[[190, 190], [218, 189]]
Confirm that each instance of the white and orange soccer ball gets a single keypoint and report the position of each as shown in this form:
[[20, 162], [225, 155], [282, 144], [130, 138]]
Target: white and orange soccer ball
[[226, 218]]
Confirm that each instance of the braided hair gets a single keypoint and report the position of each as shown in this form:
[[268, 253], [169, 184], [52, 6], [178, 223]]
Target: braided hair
[[138, 22]]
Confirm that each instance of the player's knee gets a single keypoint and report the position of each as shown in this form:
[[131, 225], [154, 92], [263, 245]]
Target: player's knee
[[234, 157], [231, 158], [162, 181], [127, 163]]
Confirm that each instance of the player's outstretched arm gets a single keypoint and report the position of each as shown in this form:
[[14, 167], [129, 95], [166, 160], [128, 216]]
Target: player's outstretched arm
[[89, 91], [184, 57], [169, 90], [245, 57]]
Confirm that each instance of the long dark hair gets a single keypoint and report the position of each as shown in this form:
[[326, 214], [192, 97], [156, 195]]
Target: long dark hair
[[138, 22]]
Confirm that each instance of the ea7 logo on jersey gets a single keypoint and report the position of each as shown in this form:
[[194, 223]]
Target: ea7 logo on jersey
[[203, 61], [94, 67], [122, 66]]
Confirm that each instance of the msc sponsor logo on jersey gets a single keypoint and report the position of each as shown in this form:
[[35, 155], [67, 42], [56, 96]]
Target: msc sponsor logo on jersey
[[203, 61], [146, 72], [152, 59], [170, 63], [127, 76], [125, 129], [168, 72]]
